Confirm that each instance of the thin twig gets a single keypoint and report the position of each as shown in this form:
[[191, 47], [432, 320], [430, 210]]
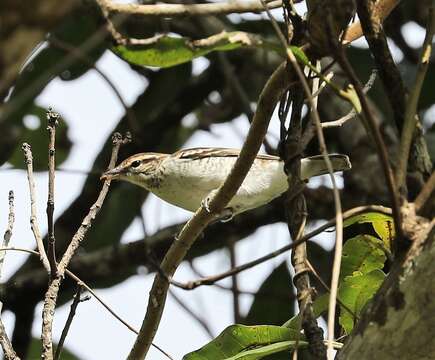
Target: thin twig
[[172, 10], [53, 119], [8, 350], [234, 282], [210, 280], [351, 114], [337, 201], [72, 312], [93, 293], [425, 193], [33, 217], [270, 95], [410, 120], [326, 287], [8, 232], [53, 290], [192, 313], [380, 145]]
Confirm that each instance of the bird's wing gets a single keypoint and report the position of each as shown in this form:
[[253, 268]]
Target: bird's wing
[[201, 153]]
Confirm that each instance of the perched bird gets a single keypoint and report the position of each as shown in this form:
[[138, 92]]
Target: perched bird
[[189, 177]]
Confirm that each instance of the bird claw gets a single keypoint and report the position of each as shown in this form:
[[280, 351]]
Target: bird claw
[[224, 216], [206, 202]]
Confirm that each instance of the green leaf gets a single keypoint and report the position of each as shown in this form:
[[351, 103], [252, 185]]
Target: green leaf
[[355, 291], [383, 226], [236, 341], [274, 301], [362, 254], [349, 94], [263, 351], [38, 140], [166, 51]]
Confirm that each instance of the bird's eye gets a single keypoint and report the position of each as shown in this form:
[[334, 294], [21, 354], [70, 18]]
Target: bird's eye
[[135, 164]]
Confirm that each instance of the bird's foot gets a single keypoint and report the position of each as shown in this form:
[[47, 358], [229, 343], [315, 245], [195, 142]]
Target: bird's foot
[[225, 215], [205, 203]]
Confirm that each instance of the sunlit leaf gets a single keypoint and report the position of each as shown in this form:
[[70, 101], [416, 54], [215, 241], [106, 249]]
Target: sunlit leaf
[[382, 224], [355, 291], [236, 339], [166, 51]]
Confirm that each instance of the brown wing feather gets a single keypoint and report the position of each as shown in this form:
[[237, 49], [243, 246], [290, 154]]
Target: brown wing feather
[[201, 153]]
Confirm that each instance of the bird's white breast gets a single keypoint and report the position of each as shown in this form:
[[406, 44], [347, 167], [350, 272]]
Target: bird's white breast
[[187, 182]]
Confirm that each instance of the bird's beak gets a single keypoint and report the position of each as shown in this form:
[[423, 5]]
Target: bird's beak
[[112, 174]]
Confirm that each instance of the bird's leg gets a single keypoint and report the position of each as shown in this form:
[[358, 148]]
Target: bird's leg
[[225, 215]]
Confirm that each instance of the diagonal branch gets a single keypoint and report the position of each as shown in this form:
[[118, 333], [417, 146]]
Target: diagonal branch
[[53, 290], [270, 95], [411, 119]]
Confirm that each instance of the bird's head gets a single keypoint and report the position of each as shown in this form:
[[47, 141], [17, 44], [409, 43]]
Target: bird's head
[[138, 169]]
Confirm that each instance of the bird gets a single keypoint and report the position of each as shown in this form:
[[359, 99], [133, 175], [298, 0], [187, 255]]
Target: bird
[[189, 177]]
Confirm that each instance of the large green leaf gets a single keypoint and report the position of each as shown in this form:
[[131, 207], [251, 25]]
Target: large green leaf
[[238, 341], [166, 51], [355, 291], [274, 301], [38, 140]]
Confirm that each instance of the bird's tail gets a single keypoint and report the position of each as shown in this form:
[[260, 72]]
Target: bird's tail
[[316, 165]]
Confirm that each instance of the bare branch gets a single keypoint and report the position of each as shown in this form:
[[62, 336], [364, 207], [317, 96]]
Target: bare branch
[[270, 95], [53, 290], [425, 193], [92, 292], [352, 114], [410, 120], [8, 350], [383, 9], [72, 312], [195, 316], [210, 280], [8, 232], [53, 119], [337, 202], [173, 10], [33, 217], [6, 345], [380, 145]]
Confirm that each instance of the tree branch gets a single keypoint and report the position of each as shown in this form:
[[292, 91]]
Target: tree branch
[[411, 116], [33, 217], [172, 10], [187, 236], [52, 118], [53, 290], [8, 350]]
